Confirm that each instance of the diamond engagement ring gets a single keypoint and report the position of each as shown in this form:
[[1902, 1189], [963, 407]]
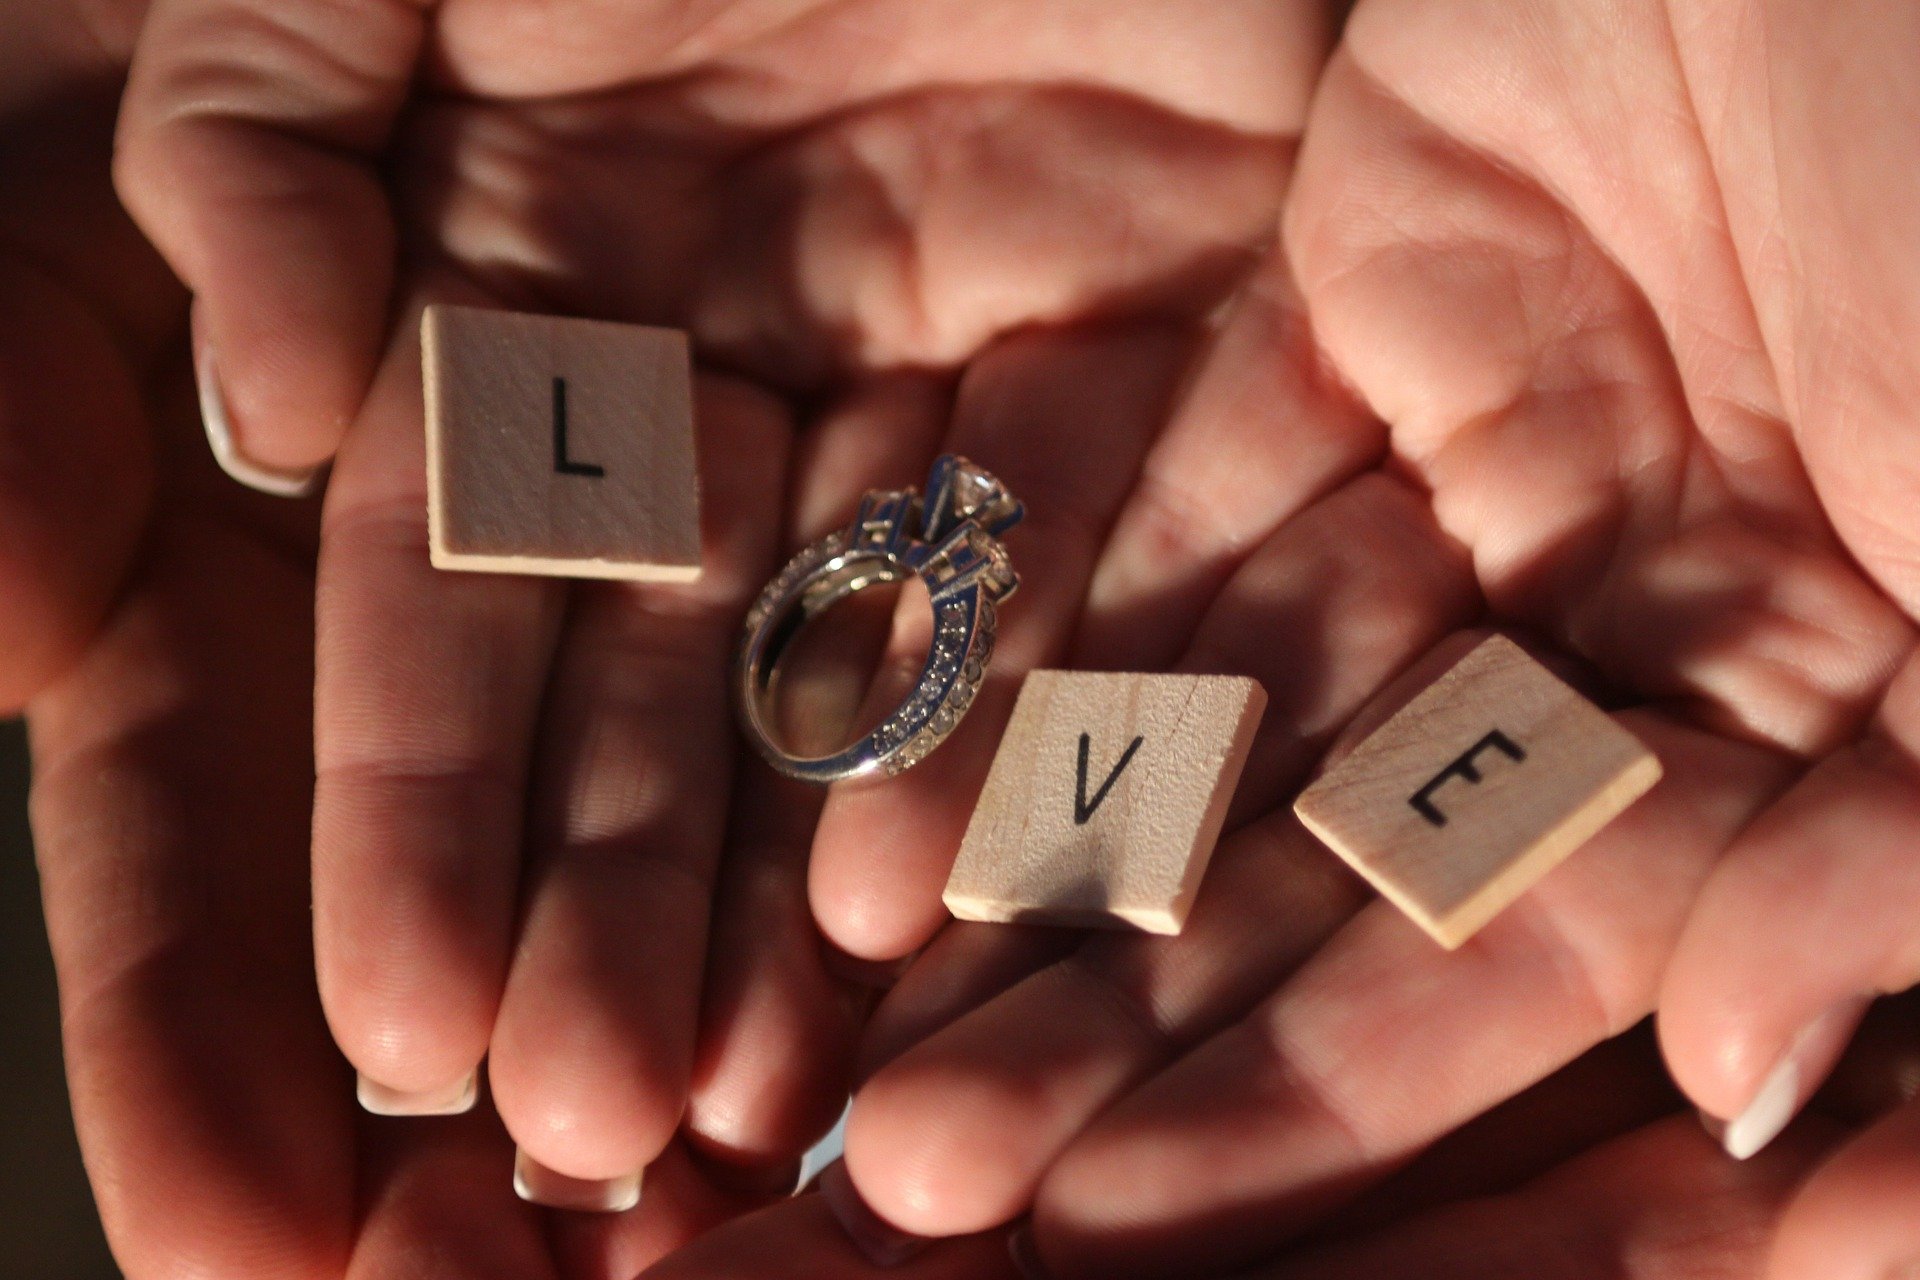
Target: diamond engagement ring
[[950, 540]]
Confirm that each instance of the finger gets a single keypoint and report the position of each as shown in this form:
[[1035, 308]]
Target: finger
[[170, 808], [1807, 919], [1659, 1204], [427, 693], [778, 1022], [1385, 1042], [956, 1134], [801, 1240], [1855, 1220], [74, 443], [246, 153], [882, 852], [1255, 437], [966, 966], [592, 1049]]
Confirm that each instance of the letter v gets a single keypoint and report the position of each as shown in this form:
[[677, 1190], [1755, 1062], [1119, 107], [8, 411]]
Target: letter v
[[1084, 809]]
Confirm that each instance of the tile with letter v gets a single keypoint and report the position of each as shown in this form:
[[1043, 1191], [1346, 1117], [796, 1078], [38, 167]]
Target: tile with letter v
[[1476, 788], [1105, 799], [559, 446]]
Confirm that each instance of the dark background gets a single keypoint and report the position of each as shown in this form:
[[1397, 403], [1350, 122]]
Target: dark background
[[48, 1230]]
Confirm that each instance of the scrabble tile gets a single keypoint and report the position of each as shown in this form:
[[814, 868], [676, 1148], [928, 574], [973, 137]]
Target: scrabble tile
[[1476, 788], [559, 446], [1105, 799]]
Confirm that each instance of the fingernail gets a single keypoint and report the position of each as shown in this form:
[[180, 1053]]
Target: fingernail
[[382, 1101], [752, 1180], [537, 1184], [219, 425], [1806, 1062], [1025, 1252], [879, 1241]]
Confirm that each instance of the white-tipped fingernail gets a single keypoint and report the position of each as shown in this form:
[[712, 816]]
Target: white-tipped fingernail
[[1801, 1068], [219, 425], [1771, 1110], [1025, 1253], [382, 1101], [537, 1184]]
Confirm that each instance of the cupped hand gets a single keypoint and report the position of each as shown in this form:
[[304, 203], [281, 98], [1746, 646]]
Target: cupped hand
[[159, 627], [1616, 282], [1599, 1170], [893, 228]]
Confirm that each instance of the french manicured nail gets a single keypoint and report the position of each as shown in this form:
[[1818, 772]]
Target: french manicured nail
[[1026, 1253], [879, 1241], [775, 1180], [382, 1101], [1801, 1068], [219, 425], [537, 1184]]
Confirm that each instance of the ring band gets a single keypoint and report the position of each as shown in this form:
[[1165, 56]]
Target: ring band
[[951, 542]]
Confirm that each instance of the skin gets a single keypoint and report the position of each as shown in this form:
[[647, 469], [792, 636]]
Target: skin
[[1669, 441], [904, 264], [488, 879]]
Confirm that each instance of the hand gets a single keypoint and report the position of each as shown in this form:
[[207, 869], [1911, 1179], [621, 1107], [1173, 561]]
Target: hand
[[846, 204], [1597, 1170], [1612, 315], [161, 620]]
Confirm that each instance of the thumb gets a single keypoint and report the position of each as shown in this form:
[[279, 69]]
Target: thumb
[[246, 152]]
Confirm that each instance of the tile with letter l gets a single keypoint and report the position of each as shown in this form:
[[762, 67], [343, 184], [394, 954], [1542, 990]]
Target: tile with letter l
[[1476, 788], [1105, 799], [559, 446]]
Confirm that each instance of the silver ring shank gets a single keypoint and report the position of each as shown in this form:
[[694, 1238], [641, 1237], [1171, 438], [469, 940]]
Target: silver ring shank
[[816, 580], [949, 545]]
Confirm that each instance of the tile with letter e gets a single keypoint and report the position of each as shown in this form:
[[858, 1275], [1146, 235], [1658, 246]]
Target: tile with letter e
[[1476, 788], [559, 446], [1105, 799]]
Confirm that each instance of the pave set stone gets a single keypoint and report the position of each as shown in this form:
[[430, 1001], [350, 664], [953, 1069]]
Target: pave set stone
[[931, 714], [804, 565]]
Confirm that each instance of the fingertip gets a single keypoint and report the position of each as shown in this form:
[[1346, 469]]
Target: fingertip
[[583, 1113], [534, 1183], [288, 251], [868, 913], [228, 451], [457, 1099], [919, 1161], [879, 1240]]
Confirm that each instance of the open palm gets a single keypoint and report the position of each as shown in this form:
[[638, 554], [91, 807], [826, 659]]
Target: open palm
[[1618, 280]]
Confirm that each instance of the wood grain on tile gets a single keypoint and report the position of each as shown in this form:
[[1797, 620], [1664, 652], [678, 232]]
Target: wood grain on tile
[[559, 446], [1105, 799], [1475, 789]]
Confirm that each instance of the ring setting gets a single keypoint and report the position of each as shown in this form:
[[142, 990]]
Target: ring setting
[[950, 540]]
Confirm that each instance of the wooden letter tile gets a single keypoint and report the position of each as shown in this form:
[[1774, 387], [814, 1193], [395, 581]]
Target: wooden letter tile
[[1476, 788], [1105, 799], [559, 446]]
